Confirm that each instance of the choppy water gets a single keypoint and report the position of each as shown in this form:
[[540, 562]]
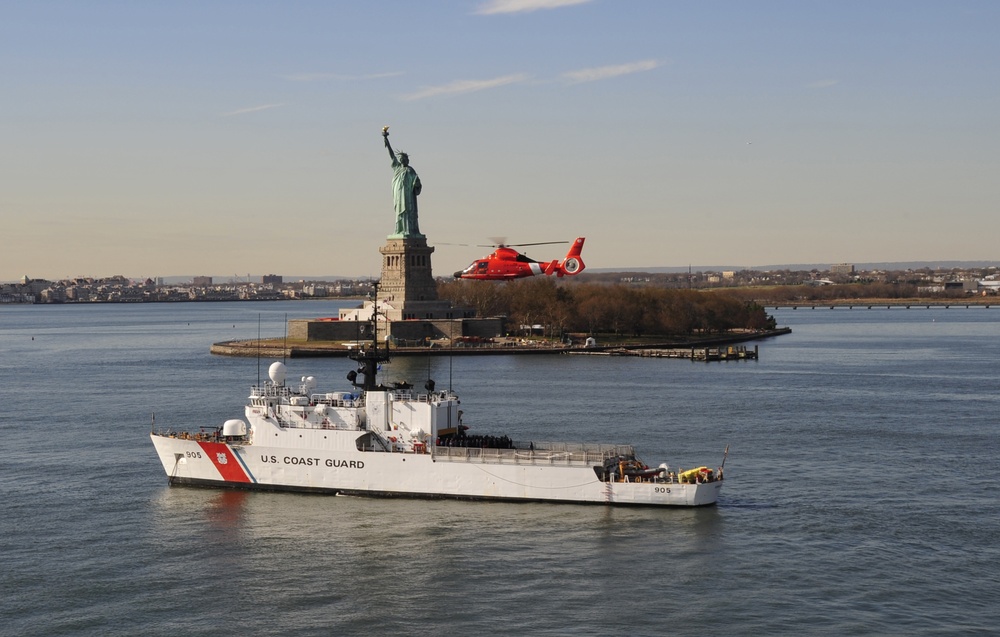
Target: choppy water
[[861, 492]]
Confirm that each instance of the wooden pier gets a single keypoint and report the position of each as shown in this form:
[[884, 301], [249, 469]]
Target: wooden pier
[[694, 354], [876, 305]]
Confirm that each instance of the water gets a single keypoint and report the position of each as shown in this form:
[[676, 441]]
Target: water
[[861, 492]]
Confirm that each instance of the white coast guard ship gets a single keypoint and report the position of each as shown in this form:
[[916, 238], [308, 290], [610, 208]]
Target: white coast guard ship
[[379, 440]]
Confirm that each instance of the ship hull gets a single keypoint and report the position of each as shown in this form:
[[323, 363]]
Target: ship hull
[[526, 477]]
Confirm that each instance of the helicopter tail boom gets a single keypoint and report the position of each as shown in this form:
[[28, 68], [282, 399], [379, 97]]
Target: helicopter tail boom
[[572, 264]]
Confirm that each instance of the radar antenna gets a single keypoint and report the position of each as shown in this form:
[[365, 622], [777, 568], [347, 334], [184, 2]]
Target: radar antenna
[[369, 359]]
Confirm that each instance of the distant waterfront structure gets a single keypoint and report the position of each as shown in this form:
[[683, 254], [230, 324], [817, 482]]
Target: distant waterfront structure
[[988, 285], [202, 281], [272, 278], [842, 268]]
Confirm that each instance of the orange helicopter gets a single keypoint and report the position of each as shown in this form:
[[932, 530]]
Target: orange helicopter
[[505, 263]]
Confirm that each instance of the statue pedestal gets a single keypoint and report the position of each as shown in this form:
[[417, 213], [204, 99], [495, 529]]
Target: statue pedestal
[[409, 309], [407, 284]]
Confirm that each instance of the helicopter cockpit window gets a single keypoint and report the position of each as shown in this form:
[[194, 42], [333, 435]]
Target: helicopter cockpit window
[[482, 265]]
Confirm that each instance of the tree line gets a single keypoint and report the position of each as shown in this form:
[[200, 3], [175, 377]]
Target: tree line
[[596, 308]]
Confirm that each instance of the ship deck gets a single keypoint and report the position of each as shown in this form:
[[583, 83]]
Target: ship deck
[[536, 453]]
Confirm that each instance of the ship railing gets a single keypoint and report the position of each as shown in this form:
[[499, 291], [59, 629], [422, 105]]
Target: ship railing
[[323, 399], [432, 397], [541, 453], [437, 397], [270, 391], [308, 424]]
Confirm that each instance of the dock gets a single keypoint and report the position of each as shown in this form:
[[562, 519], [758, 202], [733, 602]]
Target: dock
[[877, 305], [694, 354]]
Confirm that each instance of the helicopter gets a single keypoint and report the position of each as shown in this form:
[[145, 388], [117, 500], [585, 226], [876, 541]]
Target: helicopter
[[506, 263]]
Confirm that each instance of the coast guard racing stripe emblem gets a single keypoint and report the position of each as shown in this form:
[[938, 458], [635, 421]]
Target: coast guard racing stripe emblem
[[225, 461]]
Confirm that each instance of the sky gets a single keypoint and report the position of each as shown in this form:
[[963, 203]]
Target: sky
[[235, 138]]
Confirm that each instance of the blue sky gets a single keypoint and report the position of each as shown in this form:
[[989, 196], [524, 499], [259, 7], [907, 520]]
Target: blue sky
[[221, 138]]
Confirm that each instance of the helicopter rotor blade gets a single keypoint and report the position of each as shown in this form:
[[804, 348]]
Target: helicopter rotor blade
[[539, 243], [501, 242]]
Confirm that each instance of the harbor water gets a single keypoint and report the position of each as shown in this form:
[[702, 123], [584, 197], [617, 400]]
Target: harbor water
[[861, 493]]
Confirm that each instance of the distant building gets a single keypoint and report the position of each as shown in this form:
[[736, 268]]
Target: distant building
[[842, 268], [53, 295], [315, 289], [271, 278], [988, 286], [78, 293], [202, 281]]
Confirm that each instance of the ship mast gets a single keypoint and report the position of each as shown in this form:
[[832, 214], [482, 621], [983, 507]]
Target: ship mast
[[368, 359]]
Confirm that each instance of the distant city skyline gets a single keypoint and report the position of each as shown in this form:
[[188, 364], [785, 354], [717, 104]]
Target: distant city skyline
[[795, 267], [147, 139]]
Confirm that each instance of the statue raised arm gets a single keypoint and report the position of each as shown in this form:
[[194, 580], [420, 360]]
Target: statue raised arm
[[405, 188]]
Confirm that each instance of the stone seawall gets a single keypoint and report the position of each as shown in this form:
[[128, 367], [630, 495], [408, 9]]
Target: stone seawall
[[251, 349], [248, 349]]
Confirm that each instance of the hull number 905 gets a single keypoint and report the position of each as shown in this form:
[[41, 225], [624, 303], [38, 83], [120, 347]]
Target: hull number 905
[[661, 490]]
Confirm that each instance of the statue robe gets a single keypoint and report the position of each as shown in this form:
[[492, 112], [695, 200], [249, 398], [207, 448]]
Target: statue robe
[[405, 188]]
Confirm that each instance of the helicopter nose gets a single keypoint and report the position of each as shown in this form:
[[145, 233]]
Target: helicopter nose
[[458, 275]]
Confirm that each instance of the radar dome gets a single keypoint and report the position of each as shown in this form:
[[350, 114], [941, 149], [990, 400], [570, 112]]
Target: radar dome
[[277, 372], [234, 427]]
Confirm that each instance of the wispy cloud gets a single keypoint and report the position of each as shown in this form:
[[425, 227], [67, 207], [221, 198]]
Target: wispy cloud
[[822, 84], [252, 109], [322, 77], [464, 86], [606, 72], [494, 7]]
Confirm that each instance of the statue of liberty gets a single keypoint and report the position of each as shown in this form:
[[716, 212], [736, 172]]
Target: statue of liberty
[[405, 189]]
